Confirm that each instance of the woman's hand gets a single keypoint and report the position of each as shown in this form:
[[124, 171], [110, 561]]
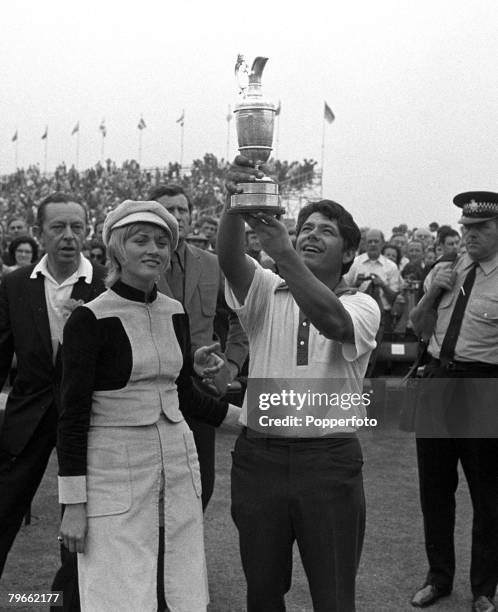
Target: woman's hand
[[207, 363], [74, 527]]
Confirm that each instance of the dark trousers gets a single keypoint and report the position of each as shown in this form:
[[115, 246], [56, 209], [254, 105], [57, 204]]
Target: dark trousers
[[19, 480], [309, 491], [204, 436], [438, 476]]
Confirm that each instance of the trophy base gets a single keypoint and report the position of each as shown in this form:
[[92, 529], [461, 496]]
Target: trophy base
[[260, 196], [252, 210]]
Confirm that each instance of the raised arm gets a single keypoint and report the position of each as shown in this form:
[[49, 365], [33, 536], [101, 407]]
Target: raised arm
[[318, 301], [237, 267]]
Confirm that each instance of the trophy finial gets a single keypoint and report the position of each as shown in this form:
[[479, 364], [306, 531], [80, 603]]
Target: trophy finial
[[242, 73]]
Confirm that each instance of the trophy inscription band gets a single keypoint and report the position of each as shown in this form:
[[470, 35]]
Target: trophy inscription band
[[257, 197]]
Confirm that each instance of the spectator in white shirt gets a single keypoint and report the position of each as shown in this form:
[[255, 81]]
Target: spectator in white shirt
[[374, 273]]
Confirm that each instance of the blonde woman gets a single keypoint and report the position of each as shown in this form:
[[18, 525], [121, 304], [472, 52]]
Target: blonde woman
[[127, 458]]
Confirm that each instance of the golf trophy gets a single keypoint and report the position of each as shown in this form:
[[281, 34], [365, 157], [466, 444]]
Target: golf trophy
[[254, 119]]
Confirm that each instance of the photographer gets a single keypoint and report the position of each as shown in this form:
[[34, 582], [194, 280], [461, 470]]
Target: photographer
[[374, 273]]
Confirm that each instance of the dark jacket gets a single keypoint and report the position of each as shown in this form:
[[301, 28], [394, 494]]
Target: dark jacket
[[25, 331]]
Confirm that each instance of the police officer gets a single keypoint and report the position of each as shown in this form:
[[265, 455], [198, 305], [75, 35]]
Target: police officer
[[456, 421]]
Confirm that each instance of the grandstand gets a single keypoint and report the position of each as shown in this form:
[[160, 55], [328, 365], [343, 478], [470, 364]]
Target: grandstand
[[105, 185]]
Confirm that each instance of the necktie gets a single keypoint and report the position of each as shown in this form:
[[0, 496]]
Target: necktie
[[175, 278], [450, 338]]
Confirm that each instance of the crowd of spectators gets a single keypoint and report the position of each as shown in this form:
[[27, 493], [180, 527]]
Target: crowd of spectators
[[103, 186]]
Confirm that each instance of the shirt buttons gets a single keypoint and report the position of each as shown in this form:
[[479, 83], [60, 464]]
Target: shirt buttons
[[302, 343], [304, 324]]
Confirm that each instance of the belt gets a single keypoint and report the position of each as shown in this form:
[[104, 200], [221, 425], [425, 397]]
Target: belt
[[284, 440], [466, 366]]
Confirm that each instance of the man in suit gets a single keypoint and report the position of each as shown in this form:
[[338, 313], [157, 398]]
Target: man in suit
[[194, 279], [35, 301]]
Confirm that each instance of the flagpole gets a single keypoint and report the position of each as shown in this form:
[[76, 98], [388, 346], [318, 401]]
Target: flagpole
[[77, 149], [45, 155], [102, 150], [16, 150], [140, 146], [181, 144], [323, 154]]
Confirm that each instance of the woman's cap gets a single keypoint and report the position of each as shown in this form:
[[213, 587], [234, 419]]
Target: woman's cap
[[131, 211]]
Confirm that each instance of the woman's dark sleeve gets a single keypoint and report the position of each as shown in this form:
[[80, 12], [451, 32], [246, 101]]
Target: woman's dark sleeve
[[194, 403], [79, 357]]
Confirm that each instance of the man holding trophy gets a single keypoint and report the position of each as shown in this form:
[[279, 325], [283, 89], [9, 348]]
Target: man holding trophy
[[291, 487]]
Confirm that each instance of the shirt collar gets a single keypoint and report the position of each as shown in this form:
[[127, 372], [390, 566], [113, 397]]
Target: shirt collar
[[85, 270], [486, 266], [364, 257], [130, 293]]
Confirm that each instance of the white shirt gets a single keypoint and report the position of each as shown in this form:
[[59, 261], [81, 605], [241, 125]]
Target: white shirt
[[58, 296], [271, 321], [386, 269]]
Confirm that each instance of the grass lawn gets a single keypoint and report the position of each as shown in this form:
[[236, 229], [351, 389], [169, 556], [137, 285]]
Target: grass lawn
[[393, 562]]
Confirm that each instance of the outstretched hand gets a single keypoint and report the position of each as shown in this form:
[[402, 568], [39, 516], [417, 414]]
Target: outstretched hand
[[207, 363], [272, 234]]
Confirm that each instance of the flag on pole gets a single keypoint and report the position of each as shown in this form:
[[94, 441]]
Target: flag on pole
[[14, 138], [181, 118], [141, 124], [45, 133], [278, 109], [328, 114], [102, 128], [76, 128], [229, 114]]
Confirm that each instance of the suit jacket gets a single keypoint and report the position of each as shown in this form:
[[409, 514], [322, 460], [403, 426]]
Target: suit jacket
[[204, 295], [25, 331]]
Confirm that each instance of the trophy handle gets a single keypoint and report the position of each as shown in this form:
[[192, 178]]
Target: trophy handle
[[257, 70]]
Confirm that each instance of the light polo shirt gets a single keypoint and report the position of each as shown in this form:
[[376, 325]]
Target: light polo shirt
[[478, 338], [386, 269], [278, 337], [57, 296]]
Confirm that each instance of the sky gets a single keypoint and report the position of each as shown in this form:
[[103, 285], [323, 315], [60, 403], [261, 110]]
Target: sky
[[413, 86]]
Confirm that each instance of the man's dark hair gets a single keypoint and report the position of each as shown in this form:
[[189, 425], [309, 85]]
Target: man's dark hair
[[57, 198], [22, 240], [444, 232], [348, 229], [170, 191]]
